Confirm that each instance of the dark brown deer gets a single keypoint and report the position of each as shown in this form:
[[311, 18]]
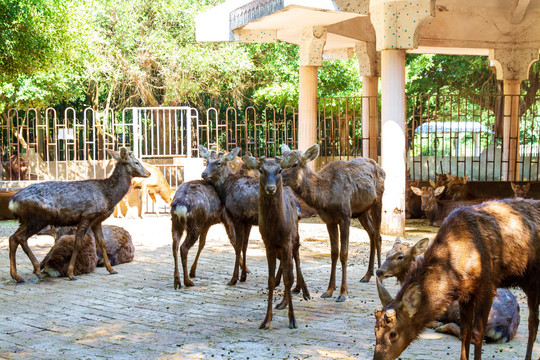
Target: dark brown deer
[[413, 202], [520, 191], [195, 208], [118, 242], [437, 210], [340, 191], [278, 224], [83, 203], [458, 188], [477, 250], [503, 318], [238, 194], [56, 262]]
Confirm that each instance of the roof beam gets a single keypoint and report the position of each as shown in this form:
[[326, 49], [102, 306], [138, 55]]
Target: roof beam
[[520, 9]]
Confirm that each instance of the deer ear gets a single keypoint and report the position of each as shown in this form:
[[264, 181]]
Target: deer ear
[[432, 183], [450, 177], [124, 153], [513, 185], [416, 190], [115, 154], [465, 178], [310, 154], [420, 247], [384, 295], [284, 149], [527, 187], [438, 191], [251, 162], [231, 155], [289, 159], [411, 300], [204, 152]]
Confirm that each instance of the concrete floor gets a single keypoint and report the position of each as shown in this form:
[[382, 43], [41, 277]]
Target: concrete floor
[[137, 314]]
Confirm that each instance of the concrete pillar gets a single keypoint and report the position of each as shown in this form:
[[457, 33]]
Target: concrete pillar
[[370, 116], [512, 67], [511, 89], [307, 107], [396, 24], [393, 140]]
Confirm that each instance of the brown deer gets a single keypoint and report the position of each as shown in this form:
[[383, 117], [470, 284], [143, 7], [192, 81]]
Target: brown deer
[[83, 203], [437, 210], [458, 188], [413, 202], [278, 224], [503, 318], [56, 262], [520, 191], [16, 167], [477, 250], [340, 191], [154, 185], [195, 208], [118, 242]]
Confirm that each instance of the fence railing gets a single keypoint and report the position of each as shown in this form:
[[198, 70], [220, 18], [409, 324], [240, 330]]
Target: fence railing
[[445, 134]]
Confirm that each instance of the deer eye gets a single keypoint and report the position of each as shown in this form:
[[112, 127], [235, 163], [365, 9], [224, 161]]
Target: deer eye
[[393, 335], [400, 257], [279, 171], [218, 163], [295, 164]]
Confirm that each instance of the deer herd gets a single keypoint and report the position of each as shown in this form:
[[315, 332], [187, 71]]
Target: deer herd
[[456, 283]]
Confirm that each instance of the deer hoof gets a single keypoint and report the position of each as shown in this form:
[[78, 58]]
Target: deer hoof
[[365, 279], [114, 272], [232, 282], [192, 274], [296, 290], [292, 324], [73, 278], [282, 305], [341, 298], [40, 276], [327, 294], [177, 285], [306, 295], [243, 278], [188, 283]]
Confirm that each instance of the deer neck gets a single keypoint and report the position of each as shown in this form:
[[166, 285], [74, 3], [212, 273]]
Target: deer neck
[[311, 189], [117, 185], [222, 183], [272, 206]]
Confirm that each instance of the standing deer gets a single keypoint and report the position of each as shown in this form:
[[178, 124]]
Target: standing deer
[[477, 250], [83, 203], [340, 191], [503, 318], [278, 224]]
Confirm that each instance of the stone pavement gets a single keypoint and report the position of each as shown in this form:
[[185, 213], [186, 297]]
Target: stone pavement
[[137, 314]]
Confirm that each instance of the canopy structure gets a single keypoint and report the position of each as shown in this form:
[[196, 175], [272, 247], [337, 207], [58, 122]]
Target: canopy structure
[[452, 127], [379, 33]]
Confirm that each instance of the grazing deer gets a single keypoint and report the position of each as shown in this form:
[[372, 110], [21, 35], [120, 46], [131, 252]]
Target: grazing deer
[[503, 318], [56, 262], [278, 224], [83, 203], [520, 191], [340, 191], [437, 210], [477, 250]]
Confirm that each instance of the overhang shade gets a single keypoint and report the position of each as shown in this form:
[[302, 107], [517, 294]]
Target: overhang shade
[[273, 20], [452, 127]]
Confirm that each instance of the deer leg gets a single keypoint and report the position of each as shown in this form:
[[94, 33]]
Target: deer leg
[[239, 230], [288, 279], [467, 319], [300, 282], [98, 233], [176, 235], [202, 243], [245, 240], [343, 257], [20, 237], [278, 275], [481, 313], [450, 329], [376, 217], [79, 235], [368, 226], [191, 237], [154, 201], [271, 259], [334, 253], [533, 298]]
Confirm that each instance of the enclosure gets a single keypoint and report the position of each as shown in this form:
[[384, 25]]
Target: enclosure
[[137, 314]]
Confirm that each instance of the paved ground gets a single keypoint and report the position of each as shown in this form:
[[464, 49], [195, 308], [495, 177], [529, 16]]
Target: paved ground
[[137, 314]]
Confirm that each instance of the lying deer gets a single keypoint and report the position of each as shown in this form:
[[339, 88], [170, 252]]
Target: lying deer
[[477, 250], [278, 224], [56, 262], [340, 191], [437, 210], [503, 318], [83, 203], [118, 242]]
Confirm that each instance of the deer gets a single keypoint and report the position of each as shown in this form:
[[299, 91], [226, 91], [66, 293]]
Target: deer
[[520, 191], [437, 210], [477, 249], [118, 242], [413, 203], [16, 168], [56, 262], [458, 188], [84, 203], [338, 192], [503, 318], [278, 225]]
